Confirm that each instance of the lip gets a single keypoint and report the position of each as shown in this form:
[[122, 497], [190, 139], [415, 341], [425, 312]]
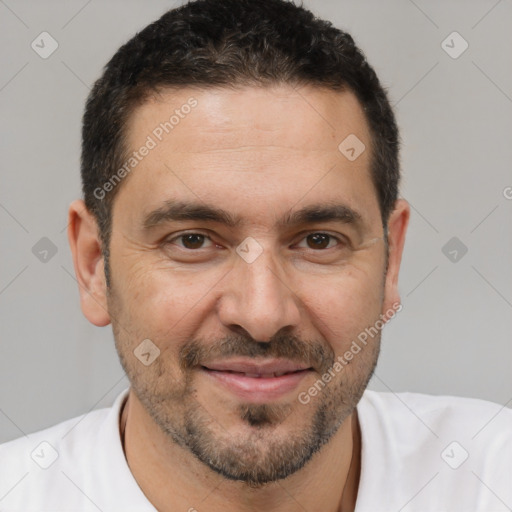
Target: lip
[[257, 382]]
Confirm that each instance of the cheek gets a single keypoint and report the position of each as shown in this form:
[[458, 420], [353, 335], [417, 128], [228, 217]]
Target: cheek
[[342, 306], [162, 303]]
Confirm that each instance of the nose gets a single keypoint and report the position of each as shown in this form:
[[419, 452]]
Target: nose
[[258, 299]]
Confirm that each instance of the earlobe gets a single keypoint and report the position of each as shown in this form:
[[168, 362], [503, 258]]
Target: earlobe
[[397, 228], [88, 261]]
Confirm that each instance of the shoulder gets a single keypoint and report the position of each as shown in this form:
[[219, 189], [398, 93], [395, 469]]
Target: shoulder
[[44, 446], [469, 416], [47, 465], [469, 425], [455, 449]]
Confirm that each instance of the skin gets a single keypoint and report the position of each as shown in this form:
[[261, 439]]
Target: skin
[[258, 153]]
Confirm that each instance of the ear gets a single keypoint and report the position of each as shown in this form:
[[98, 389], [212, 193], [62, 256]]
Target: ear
[[397, 227], [83, 236]]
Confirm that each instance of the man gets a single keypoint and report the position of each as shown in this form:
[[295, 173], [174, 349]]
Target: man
[[242, 232]]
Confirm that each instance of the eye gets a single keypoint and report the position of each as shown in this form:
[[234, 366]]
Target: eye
[[190, 241], [318, 241]]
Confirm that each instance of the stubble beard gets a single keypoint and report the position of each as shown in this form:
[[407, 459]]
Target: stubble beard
[[265, 450]]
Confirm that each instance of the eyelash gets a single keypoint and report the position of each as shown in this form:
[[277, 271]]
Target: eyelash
[[340, 240]]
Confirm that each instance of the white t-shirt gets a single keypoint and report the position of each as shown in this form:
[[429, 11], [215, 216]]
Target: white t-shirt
[[419, 453]]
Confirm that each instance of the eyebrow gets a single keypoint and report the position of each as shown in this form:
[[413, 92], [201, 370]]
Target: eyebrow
[[322, 213], [175, 211]]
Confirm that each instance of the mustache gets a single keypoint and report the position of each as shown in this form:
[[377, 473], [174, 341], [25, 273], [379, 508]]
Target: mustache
[[315, 354]]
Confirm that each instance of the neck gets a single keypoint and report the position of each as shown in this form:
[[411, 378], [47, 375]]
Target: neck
[[173, 479]]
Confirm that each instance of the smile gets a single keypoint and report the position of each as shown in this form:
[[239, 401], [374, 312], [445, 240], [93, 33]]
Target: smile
[[261, 382]]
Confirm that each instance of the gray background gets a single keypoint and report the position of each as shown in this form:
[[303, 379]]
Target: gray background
[[453, 335]]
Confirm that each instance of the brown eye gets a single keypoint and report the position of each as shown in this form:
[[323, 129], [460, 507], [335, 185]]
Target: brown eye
[[192, 240], [318, 240]]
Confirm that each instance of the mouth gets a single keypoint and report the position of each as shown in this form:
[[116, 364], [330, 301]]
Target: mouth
[[257, 382]]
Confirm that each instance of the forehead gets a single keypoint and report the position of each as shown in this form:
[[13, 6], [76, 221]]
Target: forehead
[[303, 118], [250, 148]]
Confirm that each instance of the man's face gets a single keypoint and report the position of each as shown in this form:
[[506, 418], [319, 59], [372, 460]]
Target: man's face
[[290, 300]]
